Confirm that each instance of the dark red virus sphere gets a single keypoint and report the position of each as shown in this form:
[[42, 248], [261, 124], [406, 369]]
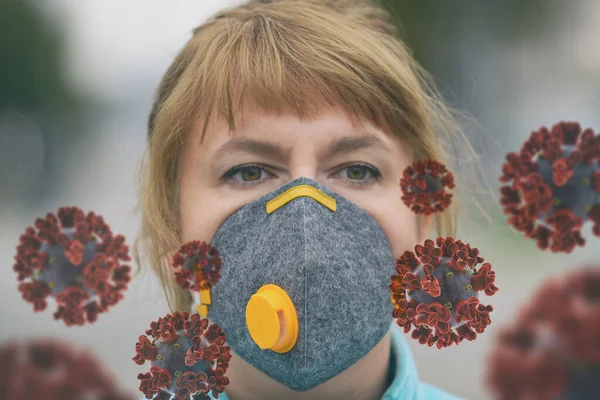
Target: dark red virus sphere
[[74, 258], [52, 370], [553, 186], [436, 292], [424, 185], [197, 265], [552, 351], [188, 358]]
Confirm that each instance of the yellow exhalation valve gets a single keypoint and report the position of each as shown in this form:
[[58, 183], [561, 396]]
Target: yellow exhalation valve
[[272, 320]]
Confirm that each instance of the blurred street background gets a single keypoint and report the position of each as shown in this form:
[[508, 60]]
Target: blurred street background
[[77, 80]]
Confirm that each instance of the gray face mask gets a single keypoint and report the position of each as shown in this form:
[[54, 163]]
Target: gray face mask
[[304, 288]]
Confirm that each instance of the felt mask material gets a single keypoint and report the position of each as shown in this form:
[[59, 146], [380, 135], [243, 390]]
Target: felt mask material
[[334, 266]]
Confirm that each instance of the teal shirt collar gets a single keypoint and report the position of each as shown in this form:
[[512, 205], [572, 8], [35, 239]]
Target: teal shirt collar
[[405, 384]]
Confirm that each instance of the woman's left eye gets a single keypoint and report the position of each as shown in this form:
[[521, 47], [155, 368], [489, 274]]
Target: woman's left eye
[[360, 174]]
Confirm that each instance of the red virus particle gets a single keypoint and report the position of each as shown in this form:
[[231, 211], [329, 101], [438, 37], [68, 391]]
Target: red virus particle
[[197, 265], [52, 370], [553, 186], [188, 358], [424, 185], [552, 351], [74, 258], [436, 292]]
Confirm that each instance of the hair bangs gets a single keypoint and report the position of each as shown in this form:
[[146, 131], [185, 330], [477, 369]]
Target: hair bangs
[[262, 65]]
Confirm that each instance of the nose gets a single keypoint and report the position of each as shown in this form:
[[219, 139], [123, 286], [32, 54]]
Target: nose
[[302, 165]]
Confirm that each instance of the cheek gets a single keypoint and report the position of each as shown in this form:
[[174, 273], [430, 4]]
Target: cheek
[[398, 223], [201, 212], [194, 221], [401, 231], [203, 209], [385, 205]]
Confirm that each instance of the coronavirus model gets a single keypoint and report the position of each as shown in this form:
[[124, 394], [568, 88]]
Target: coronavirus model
[[424, 187], [552, 351], [197, 267], [436, 292], [553, 186], [188, 358], [52, 370], [74, 258]]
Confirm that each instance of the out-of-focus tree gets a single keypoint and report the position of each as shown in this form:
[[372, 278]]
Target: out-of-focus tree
[[435, 29], [32, 75], [39, 112]]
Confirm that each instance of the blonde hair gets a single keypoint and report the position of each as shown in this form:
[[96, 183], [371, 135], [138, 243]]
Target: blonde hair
[[282, 54]]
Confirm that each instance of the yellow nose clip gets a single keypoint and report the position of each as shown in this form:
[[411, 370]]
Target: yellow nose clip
[[299, 191], [272, 320]]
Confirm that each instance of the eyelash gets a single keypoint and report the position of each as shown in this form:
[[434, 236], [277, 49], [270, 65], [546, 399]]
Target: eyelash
[[227, 178]]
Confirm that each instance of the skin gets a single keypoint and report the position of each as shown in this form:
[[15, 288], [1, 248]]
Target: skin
[[209, 195]]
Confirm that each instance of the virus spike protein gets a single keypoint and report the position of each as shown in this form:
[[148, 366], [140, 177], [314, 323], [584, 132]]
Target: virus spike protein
[[76, 259], [436, 290], [52, 370], [197, 265], [552, 351], [424, 185], [553, 186], [188, 355]]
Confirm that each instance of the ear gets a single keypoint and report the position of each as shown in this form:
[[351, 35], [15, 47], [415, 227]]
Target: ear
[[424, 223]]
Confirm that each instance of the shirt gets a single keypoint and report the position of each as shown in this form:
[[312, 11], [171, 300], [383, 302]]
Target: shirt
[[405, 384]]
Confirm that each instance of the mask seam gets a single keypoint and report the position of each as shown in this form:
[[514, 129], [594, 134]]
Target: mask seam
[[305, 291]]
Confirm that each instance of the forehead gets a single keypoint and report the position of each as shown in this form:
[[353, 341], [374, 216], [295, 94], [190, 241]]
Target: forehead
[[287, 130]]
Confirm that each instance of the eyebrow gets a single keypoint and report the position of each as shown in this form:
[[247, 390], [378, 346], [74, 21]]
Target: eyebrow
[[245, 145], [351, 143], [342, 145]]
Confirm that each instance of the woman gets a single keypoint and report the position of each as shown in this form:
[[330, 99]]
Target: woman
[[320, 99]]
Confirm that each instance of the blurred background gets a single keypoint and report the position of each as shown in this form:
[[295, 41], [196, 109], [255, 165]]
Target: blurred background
[[77, 80]]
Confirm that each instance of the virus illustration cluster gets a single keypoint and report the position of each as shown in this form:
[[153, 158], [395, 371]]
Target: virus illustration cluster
[[74, 258], [189, 358], [197, 265], [424, 185], [553, 186], [552, 352], [436, 291], [52, 370]]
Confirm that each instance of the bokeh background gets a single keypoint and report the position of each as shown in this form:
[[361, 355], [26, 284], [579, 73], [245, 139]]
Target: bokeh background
[[77, 79]]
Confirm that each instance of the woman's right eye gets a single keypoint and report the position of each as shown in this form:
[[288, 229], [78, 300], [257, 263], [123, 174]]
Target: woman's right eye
[[244, 175]]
